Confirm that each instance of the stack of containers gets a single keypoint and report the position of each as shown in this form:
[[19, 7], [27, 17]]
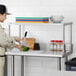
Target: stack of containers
[[56, 45], [32, 19]]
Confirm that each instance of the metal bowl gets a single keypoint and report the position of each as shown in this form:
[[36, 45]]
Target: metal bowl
[[56, 19]]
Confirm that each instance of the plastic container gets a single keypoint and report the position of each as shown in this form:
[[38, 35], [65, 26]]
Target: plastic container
[[53, 45], [59, 45]]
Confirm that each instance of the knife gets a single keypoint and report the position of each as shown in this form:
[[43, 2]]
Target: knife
[[25, 34]]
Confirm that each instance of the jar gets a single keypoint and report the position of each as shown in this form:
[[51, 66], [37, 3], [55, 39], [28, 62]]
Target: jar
[[53, 45], [60, 45]]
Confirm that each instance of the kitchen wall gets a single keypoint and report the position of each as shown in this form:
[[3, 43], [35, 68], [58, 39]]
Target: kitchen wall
[[41, 8]]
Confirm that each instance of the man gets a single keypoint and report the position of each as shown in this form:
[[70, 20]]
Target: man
[[5, 41]]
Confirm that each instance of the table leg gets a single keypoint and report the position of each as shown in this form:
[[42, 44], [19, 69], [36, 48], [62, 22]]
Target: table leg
[[59, 64], [66, 59], [5, 67], [13, 66], [22, 65]]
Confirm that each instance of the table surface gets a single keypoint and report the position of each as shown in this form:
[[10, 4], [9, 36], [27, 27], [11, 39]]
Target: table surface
[[39, 53]]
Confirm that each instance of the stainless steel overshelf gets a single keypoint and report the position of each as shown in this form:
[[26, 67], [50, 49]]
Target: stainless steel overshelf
[[64, 27]]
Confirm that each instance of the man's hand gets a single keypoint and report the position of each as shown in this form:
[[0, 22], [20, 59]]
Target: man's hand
[[18, 46]]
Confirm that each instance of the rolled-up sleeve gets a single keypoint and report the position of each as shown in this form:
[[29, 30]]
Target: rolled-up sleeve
[[6, 41]]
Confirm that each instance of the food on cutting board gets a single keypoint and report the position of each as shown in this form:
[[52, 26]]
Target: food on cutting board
[[24, 48], [30, 42]]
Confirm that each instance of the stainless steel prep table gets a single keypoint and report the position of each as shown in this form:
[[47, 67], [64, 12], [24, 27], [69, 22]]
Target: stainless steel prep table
[[34, 54], [44, 54]]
